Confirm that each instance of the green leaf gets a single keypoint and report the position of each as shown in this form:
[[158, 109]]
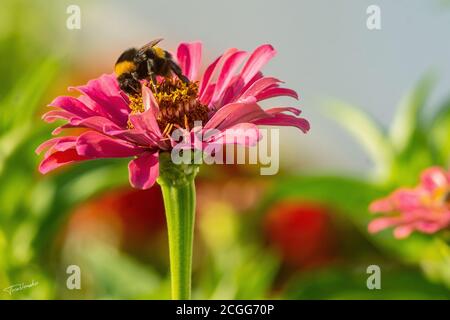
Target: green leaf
[[21, 103], [77, 184], [440, 132], [366, 131], [115, 275], [436, 262], [407, 118], [351, 283], [17, 109]]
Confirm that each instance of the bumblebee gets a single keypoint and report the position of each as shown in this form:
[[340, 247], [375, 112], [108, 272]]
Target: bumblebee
[[147, 63]]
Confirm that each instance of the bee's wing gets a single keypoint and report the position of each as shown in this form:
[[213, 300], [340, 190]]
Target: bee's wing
[[150, 44]]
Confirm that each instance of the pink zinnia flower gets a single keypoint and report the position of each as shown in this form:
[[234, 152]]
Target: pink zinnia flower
[[425, 208], [139, 127]]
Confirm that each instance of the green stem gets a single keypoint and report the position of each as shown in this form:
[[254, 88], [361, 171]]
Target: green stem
[[178, 189]]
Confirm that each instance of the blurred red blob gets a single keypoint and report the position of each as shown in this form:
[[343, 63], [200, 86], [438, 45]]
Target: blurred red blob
[[137, 215], [302, 233]]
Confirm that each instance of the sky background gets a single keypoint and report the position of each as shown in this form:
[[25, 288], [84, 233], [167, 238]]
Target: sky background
[[324, 51]]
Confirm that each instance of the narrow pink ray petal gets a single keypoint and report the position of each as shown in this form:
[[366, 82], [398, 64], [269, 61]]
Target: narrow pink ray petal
[[257, 60], [61, 145], [53, 115], [59, 129], [276, 92], [51, 142], [404, 231], [379, 224], [96, 123], [58, 159], [255, 78], [72, 105], [210, 70], [106, 98], [435, 178], [284, 120], [276, 110], [226, 75], [144, 170], [405, 199], [236, 88], [428, 226], [131, 135], [208, 94], [235, 113], [246, 134], [96, 145], [259, 86], [381, 205], [189, 57], [146, 121]]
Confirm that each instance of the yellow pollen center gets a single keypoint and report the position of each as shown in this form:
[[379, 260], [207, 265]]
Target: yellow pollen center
[[178, 105]]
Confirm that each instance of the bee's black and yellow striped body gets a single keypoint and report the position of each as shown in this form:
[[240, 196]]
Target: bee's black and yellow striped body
[[145, 63]]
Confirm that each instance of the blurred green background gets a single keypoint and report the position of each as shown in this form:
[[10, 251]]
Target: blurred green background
[[301, 234]]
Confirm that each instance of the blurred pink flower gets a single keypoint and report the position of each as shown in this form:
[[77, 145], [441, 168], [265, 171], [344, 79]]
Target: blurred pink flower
[[425, 208], [224, 97]]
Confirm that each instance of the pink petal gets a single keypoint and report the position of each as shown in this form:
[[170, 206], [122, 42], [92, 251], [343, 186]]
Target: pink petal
[[72, 105], [208, 94], [403, 232], [131, 135], [226, 74], [105, 97], [149, 100], [59, 129], [435, 178], [53, 115], [146, 121], [281, 119], [382, 205], [58, 159], [276, 92], [379, 224], [189, 57], [235, 113], [429, 227], [246, 134], [144, 170], [257, 60], [405, 199], [258, 86], [96, 145], [96, 123], [210, 70], [237, 88], [62, 145], [276, 110], [255, 78], [95, 107], [52, 142]]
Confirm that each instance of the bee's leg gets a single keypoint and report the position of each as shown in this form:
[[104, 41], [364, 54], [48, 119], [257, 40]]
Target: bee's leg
[[129, 84], [151, 74], [177, 70], [136, 82], [135, 76]]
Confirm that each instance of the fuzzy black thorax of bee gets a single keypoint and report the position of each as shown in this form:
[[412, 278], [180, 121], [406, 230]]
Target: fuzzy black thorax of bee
[[178, 102], [145, 63]]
